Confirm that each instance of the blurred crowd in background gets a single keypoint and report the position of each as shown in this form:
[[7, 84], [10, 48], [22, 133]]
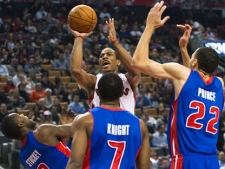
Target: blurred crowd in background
[[35, 48]]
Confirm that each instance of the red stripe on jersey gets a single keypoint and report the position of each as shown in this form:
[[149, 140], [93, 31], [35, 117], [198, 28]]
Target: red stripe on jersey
[[177, 162], [86, 163], [173, 130], [63, 149], [23, 142]]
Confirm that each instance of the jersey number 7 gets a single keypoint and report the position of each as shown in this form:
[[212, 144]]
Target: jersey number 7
[[200, 114], [118, 155]]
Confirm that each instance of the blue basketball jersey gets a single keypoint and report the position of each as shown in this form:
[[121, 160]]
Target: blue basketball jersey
[[194, 117], [116, 140], [35, 155]]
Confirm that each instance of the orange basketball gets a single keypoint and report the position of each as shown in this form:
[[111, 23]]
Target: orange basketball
[[82, 18]]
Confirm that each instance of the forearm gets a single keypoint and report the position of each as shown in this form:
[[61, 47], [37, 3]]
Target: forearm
[[76, 57], [125, 58], [142, 51], [185, 56]]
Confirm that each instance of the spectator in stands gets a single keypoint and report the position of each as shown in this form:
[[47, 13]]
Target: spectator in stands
[[68, 95], [59, 88], [38, 115], [104, 13], [33, 76], [43, 28], [160, 138], [32, 65], [41, 13], [55, 115], [165, 163], [56, 103], [29, 27], [142, 100], [4, 56], [6, 27], [221, 158], [22, 92], [3, 111], [48, 117], [17, 102], [60, 63], [48, 100], [155, 99], [18, 25], [37, 93], [154, 159], [167, 94], [15, 154], [23, 57], [9, 85], [45, 82], [10, 41], [12, 68], [19, 78], [26, 14], [3, 97], [30, 85], [3, 70], [76, 107], [209, 34], [123, 32]]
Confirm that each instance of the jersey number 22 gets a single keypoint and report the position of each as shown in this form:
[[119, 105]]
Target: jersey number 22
[[200, 114]]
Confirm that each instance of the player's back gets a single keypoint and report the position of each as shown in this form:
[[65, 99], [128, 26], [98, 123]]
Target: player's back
[[194, 117], [34, 154], [127, 101], [115, 141]]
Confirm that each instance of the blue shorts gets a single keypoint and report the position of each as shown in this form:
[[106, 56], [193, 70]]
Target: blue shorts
[[194, 162]]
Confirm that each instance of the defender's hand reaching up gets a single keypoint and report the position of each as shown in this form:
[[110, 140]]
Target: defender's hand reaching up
[[154, 16], [183, 42]]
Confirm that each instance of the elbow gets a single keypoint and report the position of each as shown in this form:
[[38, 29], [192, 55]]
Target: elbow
[[76, 72], [135, 64]]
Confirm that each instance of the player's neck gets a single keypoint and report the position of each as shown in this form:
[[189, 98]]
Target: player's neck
[[204, 75], [110, 104]]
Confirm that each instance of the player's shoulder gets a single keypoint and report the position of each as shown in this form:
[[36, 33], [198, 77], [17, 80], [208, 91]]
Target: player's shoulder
[[220, 80]]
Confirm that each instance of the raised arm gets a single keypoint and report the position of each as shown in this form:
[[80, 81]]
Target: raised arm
[[84, 79], [133, 76], [141, 59], [184, 42]]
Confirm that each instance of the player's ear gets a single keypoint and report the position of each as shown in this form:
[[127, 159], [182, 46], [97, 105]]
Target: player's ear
[[118, 62], [97, 92], [20, 125], [194, 63]]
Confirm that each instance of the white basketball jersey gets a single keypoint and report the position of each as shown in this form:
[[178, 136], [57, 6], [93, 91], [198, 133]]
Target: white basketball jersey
[[127, 101]]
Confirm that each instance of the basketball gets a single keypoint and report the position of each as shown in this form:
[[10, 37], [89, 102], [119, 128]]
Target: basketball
[[82, 18]]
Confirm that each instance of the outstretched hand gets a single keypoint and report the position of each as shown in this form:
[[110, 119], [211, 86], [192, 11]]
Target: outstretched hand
[[183, 42], [78, 34], [112, 31], [154, 16], [67, 118]]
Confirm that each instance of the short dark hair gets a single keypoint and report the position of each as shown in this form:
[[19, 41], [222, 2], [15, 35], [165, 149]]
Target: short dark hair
[[208, 59], [110, 86], [10, 128]]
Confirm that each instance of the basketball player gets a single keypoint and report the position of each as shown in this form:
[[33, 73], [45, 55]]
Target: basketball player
[[109, 61], [108, 136], [41, 146], [198, 99]]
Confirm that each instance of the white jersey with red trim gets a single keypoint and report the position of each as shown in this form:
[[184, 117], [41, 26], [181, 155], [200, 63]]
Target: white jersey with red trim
[[127, 101]]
